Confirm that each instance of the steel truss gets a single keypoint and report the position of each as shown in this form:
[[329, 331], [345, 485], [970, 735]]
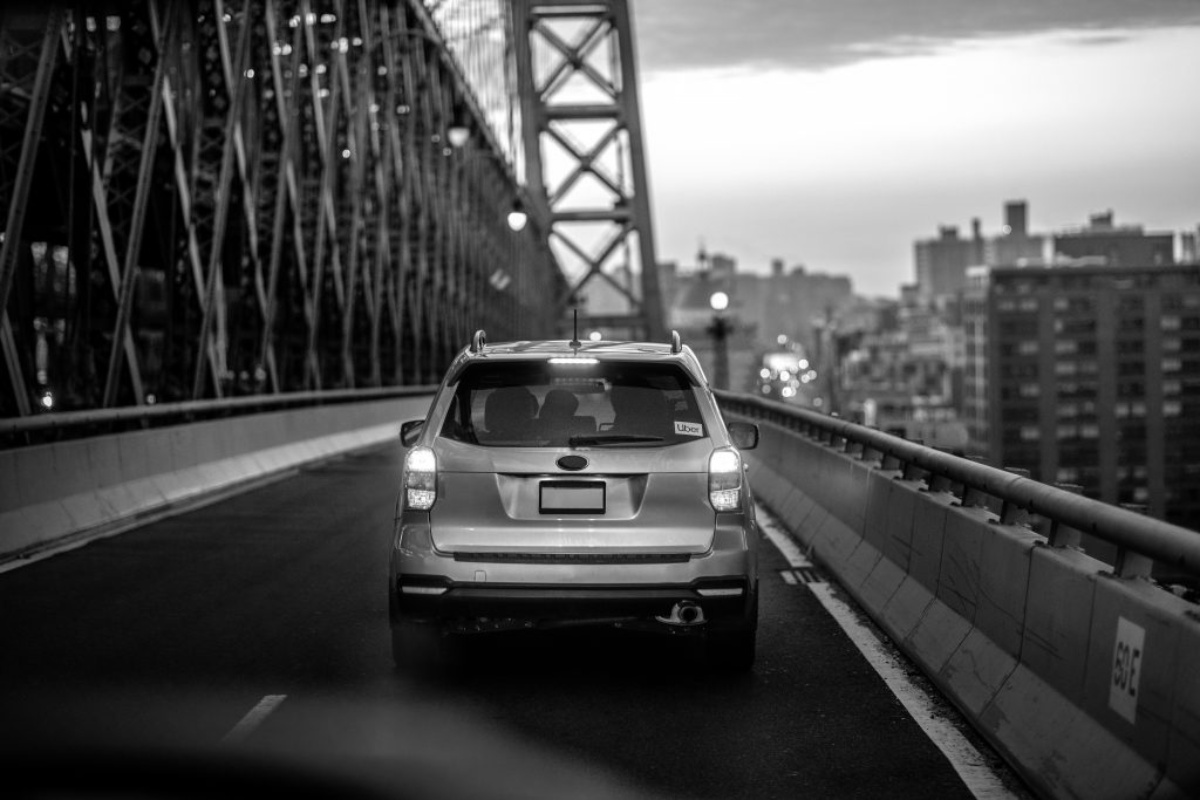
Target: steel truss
[[584, 158], [231, 197]]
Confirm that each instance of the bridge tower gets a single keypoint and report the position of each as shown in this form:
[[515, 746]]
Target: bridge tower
[[585, 164]]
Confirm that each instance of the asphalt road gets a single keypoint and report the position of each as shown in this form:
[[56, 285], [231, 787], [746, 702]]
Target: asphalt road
[[245, 645]]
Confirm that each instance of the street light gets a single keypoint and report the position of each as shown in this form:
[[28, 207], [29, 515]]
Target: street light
[[517, 217], [720, 330]]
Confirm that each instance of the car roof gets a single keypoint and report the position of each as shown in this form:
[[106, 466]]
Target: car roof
[[561, 347], [537, 349]]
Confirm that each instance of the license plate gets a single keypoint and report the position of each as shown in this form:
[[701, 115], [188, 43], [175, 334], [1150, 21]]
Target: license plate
[[571, 497]]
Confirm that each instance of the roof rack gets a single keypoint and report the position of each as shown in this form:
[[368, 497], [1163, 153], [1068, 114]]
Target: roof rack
[[478, 340], [676, 343]]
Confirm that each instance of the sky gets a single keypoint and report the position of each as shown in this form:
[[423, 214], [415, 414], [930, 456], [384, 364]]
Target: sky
[[835, 133]]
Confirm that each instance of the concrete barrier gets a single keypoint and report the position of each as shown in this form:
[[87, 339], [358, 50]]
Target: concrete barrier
[[1087, 683], [55, 494]]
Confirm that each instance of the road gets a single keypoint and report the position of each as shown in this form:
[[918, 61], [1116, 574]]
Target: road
[[255, 631]]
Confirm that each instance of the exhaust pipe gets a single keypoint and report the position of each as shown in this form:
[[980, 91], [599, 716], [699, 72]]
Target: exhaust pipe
[[684, 613]]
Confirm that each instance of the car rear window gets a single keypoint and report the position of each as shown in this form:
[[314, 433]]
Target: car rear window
[[541, 404]]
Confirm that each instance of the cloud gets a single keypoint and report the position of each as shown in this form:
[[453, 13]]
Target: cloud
[[818, 34]]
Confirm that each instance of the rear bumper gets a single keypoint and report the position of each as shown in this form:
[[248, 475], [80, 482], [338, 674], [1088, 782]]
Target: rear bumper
[[726, 603], [501, 591]]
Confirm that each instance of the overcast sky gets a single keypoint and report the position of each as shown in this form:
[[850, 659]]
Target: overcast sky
[[834, 133]]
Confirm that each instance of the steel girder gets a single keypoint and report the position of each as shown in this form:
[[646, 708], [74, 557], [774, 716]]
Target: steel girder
[[246, 196], [584, 158]]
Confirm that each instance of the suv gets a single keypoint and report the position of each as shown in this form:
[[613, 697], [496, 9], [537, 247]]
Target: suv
[[558, 483]]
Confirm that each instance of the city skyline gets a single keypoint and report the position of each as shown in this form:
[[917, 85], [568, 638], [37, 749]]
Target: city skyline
[[836, 137]]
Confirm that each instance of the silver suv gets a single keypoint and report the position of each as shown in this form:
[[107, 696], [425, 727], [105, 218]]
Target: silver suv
[[558, 483]]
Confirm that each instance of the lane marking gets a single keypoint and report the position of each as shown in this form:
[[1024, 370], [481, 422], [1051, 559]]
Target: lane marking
[[247, 724], [981, 780], [788, 576]]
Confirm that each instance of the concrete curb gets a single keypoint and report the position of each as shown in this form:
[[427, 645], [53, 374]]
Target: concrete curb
[[74, 491], [1022, 637]]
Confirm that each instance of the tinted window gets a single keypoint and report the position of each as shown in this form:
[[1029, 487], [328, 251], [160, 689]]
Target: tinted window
[[538, 404]]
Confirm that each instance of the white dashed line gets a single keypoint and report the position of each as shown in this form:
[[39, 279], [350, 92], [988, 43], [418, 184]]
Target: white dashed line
[[981, 780], [253, 719]]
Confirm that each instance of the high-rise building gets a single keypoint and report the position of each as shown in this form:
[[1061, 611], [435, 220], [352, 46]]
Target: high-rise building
[[942, 262], [1103, 242], [1015, 246], [1090, 375]]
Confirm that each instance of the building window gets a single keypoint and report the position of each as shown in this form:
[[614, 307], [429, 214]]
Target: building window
[[1064, 368], [1030, 390], [1172, 408], [1170, 323], [1068, 410], [1028, 304], [1171, 365], [1171, 387], [1170, 345], [1066, 347], [1067, 475], [1068, 431], [1030, 433], [1028, 348], [1089, 431]]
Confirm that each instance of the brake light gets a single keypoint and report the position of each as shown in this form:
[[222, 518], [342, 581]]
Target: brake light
[[420, 479], [725, 480]]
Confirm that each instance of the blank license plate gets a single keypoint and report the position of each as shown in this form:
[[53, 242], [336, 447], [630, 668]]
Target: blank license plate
[[572, 497]]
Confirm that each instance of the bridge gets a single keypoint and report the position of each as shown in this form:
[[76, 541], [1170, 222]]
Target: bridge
[[240, 243]]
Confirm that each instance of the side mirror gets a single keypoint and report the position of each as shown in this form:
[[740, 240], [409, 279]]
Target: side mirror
[[744, 435], [410, 431]]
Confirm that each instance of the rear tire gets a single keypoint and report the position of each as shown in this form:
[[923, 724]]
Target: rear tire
[[734, 650], [420, 647]]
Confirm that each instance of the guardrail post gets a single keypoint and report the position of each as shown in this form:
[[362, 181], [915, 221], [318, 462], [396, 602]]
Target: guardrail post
[[1057, 534], [936, 482], [1010, 513], [1131, 564]]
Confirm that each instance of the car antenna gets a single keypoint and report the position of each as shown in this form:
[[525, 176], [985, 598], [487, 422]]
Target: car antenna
[[575, 343]]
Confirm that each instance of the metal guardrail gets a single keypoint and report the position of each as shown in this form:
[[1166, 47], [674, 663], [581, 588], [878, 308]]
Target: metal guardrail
[[1057, 513], [24, 431]]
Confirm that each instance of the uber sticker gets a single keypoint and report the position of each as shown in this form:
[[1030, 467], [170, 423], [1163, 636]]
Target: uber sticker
[[689, 428]]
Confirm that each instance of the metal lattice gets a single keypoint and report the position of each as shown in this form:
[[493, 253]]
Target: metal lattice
[[247, 196], [584, 158]]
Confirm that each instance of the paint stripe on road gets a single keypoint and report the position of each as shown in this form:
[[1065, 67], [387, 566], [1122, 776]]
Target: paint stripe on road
[[253, 719], [981, 780]]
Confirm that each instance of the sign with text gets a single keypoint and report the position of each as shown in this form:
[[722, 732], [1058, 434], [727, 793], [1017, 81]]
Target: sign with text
[[1127, 668]]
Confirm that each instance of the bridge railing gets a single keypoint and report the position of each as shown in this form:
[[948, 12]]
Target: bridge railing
[[42, 428], [1058, 514], [1082, 672]]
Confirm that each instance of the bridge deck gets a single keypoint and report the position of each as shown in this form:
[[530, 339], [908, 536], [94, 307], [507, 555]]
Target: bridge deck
[[172, 633]]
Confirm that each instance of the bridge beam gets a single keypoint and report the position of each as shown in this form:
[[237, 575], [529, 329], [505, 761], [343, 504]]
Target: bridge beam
[[585, 162]]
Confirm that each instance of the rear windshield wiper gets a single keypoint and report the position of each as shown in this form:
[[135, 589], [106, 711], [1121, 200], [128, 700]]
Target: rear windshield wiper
[[611, 438]]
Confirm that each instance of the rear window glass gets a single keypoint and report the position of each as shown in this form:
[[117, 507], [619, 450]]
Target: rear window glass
[[539, 404]]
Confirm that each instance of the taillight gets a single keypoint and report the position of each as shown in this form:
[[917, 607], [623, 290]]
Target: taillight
[[420, 479], [725, 480]]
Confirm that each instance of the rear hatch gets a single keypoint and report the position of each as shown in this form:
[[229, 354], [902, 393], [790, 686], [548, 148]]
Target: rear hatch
[[635, 500]]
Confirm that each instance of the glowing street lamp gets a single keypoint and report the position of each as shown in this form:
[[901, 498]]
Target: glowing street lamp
[[720, 329], [517, 217]]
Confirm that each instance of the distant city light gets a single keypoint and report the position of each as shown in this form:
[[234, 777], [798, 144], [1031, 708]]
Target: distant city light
[[781, 338], [719, 301], [48, 401], [764, 373], [595, 336]]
